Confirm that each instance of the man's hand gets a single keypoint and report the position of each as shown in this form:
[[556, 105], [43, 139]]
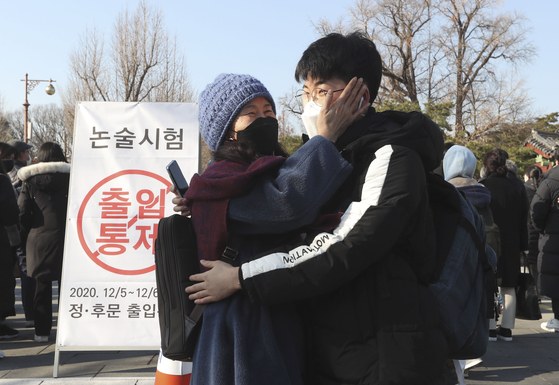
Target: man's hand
[[180, 203], [335, 119], [218, 283]]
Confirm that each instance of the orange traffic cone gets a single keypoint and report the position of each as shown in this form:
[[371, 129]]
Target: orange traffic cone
[[171, 372]]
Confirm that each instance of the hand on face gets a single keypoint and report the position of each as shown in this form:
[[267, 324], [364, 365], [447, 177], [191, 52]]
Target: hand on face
[[337, 115], [339, 110]]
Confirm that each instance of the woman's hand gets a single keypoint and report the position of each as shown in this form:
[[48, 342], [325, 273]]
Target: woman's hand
[[218, 283], [335, 118], [180, 203]]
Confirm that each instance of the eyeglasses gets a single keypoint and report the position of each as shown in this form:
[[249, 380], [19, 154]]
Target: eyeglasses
[[318, 95]]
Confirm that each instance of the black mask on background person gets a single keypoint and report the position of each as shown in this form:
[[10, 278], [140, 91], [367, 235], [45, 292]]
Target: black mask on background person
[[263, 134], [7, 164]]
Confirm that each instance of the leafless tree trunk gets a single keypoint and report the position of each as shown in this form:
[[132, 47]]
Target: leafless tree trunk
[[400, 31], [476, 40]]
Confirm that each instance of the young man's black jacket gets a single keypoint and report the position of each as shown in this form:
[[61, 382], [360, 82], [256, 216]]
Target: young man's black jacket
[[371, 318]]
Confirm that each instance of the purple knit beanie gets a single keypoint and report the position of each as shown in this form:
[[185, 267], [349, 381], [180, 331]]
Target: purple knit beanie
[[221, 101]]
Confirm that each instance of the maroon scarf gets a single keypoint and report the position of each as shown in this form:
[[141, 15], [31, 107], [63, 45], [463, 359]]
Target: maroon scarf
[[209, 195]]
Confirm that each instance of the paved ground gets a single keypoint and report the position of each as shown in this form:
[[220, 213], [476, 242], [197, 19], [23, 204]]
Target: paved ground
[[31, 363], [532, 358]]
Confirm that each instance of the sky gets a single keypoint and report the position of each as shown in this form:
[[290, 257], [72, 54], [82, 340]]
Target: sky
[[261, 38]]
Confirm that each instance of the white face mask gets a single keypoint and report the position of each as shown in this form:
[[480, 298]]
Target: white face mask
[[310, 118], [28, 161]]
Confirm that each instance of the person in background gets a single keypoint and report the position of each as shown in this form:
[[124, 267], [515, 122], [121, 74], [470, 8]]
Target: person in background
[[7, 155], [532, 177], [28, 284], [459, 164], [8, 223], [43, 203], [508, 206], [22, 158], [544, 211], [512, 174]]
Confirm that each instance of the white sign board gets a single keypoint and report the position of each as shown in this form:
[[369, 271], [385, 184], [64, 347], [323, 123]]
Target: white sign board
[[118, 193]]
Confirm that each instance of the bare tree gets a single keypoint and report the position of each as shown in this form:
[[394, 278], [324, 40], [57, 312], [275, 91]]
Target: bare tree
[[47, 125], [474, 39], [89, 76], [401, 30], [289, 114], [399, 27], [435, 51], [143, 63], [324, 26], [5, 130], [502, 101]]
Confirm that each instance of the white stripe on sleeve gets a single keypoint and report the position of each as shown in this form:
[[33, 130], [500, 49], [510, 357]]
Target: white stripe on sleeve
[[370, 195]]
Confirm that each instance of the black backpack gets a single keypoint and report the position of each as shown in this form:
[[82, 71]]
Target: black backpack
[[176, 259], [464, 280]]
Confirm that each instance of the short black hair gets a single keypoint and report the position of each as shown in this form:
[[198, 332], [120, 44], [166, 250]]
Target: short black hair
[[344, 57], [51, 152]]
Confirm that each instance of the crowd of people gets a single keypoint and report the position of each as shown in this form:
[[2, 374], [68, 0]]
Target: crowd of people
[[33, 202], [296, 306]]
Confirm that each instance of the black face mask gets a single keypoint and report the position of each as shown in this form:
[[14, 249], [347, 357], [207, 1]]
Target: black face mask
[[263, 133], [8, 164]]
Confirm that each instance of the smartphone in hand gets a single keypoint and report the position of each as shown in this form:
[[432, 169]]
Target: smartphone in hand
[[175, 173]]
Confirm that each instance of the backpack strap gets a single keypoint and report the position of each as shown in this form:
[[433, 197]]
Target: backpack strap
[[488, 272], [232, 249], [197, 312], [480, 245]]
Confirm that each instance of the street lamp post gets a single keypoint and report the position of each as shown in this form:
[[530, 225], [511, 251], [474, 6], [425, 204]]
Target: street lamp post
[[29, 86]]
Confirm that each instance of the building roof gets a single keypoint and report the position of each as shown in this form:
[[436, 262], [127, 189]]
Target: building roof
[[544, 141]]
